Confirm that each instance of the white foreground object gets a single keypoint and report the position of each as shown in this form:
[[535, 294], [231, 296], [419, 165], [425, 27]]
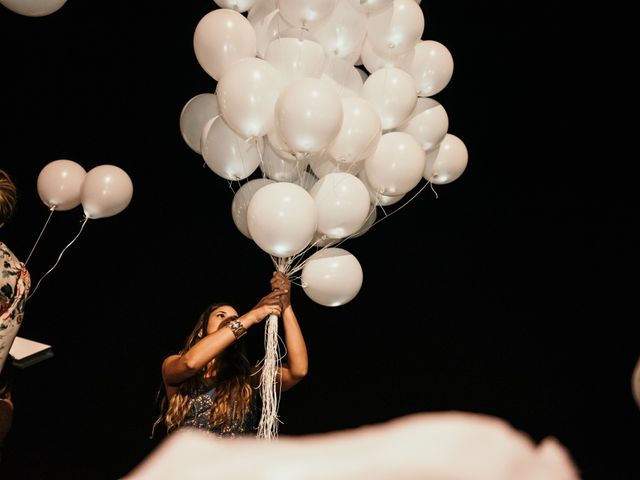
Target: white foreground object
[[428, 446]]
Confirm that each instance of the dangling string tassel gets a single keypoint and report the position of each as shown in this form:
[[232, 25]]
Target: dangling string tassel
[[269, 385], [269, 390]]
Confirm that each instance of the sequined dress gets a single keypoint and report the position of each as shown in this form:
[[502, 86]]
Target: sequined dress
[[198, 416]]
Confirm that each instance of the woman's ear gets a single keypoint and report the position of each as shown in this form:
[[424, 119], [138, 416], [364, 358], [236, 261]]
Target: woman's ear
[[203, 328]]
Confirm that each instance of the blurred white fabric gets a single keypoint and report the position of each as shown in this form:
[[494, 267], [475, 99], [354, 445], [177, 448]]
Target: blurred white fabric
[[427, 446], [635, 383]]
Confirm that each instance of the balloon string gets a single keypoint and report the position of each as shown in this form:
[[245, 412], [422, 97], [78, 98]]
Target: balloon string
[[261, 152], [433, 190], [231, 183], [41, 232], [59, 257], [297, 257], [300, 265], [403, 205]]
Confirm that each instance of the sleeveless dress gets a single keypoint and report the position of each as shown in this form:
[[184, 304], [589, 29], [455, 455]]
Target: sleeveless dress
[[198, 415]]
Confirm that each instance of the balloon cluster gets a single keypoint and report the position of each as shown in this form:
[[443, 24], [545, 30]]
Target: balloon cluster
[[331, 100], [103, 191], [33, 8]]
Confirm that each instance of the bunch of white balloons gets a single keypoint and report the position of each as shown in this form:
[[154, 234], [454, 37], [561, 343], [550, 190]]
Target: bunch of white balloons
[[103, 191], [33, 8], [331, 101]]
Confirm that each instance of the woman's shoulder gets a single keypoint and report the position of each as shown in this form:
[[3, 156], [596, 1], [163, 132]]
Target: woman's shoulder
[[9, 278], [5, 251], [10, 261]]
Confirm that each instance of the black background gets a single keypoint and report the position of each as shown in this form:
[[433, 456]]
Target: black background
[[508, 294]]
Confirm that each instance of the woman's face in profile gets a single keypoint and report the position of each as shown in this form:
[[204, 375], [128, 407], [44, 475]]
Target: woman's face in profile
[[219, 316]]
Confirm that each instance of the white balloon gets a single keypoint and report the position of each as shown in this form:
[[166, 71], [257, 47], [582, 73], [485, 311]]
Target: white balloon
[[428, 127], [344, 77], [360, 131], [305, 12], [308, 115], [228, 154], [33, 8], [422, 104], [106, 191], [296, 58], [321, 240], [373, 60], [281, 148], [396, 29], [282, 219], [238, 5], [241, 201], [342, 202], [341, 36], [332, 277], [222, 37], [322, 164], [194, 115], [392, 92], [448, 162], [247, 95], [268, 26], [370, 6], [60, 183], [306, 180], [368, 222], [377, 199], [205, 131], [281, 169], [397, 165], [260, 10], [431, 67]]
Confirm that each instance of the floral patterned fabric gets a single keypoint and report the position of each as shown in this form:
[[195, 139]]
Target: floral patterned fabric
[[14, 288]]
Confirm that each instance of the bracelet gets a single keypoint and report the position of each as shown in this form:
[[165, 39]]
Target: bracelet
[[237, 328]]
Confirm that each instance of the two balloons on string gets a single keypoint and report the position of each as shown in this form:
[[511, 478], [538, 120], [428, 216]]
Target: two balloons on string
[[63, 185], [103, 191]]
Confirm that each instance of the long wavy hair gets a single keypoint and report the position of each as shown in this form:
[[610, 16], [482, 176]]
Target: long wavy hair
[[8, 197], [232, 377]]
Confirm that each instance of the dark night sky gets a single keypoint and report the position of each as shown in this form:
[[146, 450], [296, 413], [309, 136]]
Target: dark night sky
[[508, 294]]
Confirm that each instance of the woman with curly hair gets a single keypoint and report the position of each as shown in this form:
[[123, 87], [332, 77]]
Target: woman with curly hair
[[210, 383]]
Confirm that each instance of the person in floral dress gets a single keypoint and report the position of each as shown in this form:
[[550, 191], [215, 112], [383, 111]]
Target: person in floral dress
[[14, 288]]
